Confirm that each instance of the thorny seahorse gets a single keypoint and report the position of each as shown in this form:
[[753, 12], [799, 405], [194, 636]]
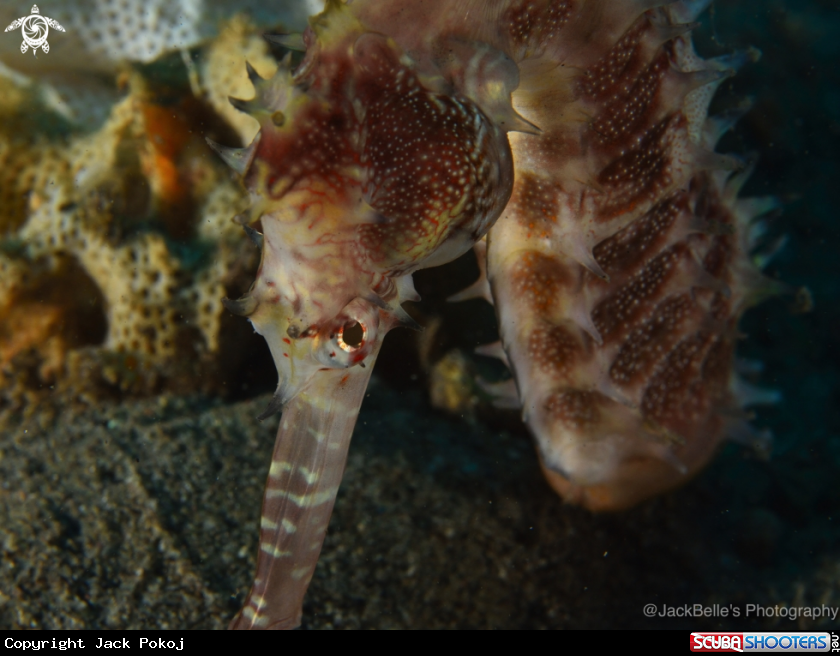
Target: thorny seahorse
[[619, 269]]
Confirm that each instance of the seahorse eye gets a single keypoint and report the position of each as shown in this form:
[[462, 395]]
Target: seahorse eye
[[352, 335]]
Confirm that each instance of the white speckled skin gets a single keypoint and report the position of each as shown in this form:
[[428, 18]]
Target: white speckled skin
[[621, 264], [619, 267], [368, 166]]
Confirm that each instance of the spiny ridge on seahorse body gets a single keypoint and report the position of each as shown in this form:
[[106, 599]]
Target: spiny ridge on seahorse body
[[621, 264], [367, 167], [619, 268]]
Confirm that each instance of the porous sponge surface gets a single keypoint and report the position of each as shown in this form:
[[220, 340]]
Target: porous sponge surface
[[144, 220]]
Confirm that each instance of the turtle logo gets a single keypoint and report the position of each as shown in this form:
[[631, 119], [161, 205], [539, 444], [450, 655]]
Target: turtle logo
[[35, 29]]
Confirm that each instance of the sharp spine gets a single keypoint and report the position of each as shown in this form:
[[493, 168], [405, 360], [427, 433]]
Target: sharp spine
[[481, 287], [254, 236], [766, 255], [255, 77], [719, 124], [274, 406], [515, 122], [494, 350], [702, 78], [405, 320], [737, 59], [236, 158], [748, 209], [505, 394], [288, 41], [707, 160], [242, 307], [749, 395], [243, 106]]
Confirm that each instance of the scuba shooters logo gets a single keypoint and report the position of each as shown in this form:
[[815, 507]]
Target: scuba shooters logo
[[763, 642], [35, 29]]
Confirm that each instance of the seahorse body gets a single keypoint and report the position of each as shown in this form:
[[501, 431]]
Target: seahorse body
[[622, 263], [366, 168], [619, 268]]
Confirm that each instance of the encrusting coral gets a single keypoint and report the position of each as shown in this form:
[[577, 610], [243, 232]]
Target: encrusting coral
[[100, 34], [117, 244]]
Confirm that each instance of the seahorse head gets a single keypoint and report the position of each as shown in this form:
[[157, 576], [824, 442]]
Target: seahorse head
[[368, 166]]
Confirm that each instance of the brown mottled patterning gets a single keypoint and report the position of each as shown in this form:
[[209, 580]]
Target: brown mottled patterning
[[621, 265], [366, 168]]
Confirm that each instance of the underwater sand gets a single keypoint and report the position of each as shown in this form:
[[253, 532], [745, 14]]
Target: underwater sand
[[145, 516]]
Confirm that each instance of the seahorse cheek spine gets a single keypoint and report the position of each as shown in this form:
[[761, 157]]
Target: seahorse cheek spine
[[367, 167], [622, 263]]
